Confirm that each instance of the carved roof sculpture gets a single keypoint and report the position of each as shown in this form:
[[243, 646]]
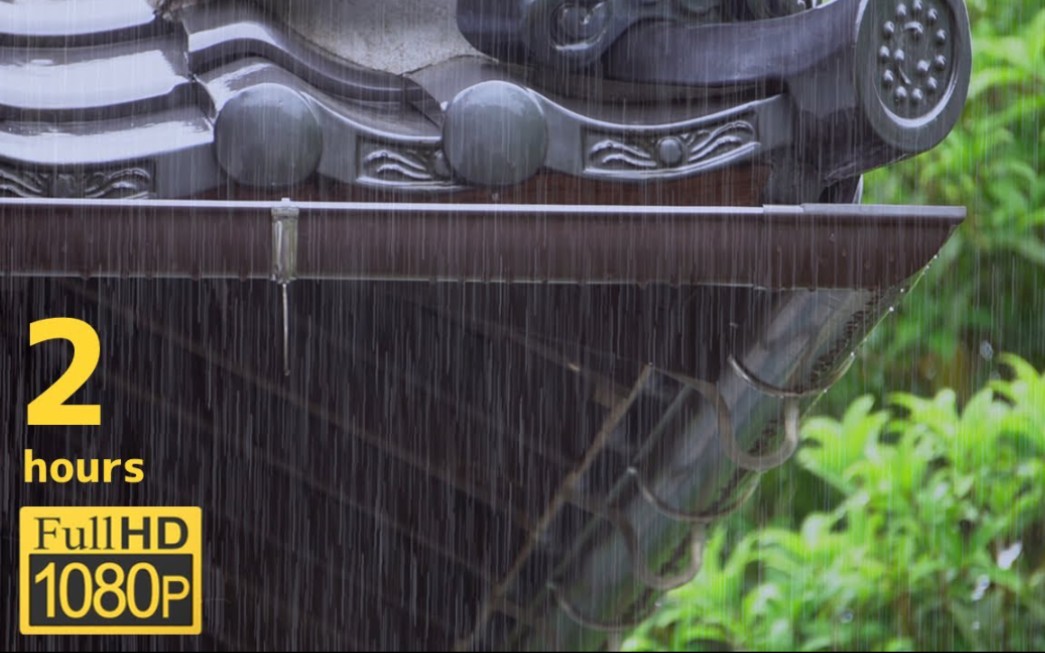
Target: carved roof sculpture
[[131, 99], [564, 275]]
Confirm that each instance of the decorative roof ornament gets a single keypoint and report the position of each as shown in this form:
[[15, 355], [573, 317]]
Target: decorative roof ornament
[[551, 85]]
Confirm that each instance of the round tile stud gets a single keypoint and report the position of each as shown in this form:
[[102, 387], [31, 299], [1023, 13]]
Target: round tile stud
[[269, 137], [495, 134], [671, 151], [912, 69]]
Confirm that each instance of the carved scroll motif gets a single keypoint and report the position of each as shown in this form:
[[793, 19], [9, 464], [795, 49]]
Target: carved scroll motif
[[121, 183], [403, 166], [684, 152]]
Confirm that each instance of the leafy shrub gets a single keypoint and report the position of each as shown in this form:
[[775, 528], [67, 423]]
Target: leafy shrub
[[936, 540], [985, 292], [921, 525]]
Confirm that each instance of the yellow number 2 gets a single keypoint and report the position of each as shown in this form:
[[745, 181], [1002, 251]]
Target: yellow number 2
[[50, 409]]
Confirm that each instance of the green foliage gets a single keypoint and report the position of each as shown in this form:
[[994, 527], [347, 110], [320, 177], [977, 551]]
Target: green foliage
[[920, 525], [936, 540], [984, 293]]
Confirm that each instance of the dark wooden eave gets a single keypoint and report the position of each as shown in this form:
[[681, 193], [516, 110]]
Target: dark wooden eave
[[780, 247]]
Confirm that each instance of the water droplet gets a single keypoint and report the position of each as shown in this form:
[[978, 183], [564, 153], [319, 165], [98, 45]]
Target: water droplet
[[1008, 557], [983, 583], [986, 350]]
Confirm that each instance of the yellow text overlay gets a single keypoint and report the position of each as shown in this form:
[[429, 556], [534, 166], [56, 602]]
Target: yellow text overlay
[[111, 571]]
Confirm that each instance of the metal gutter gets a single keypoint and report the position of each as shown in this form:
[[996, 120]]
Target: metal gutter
[[771, 247]]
